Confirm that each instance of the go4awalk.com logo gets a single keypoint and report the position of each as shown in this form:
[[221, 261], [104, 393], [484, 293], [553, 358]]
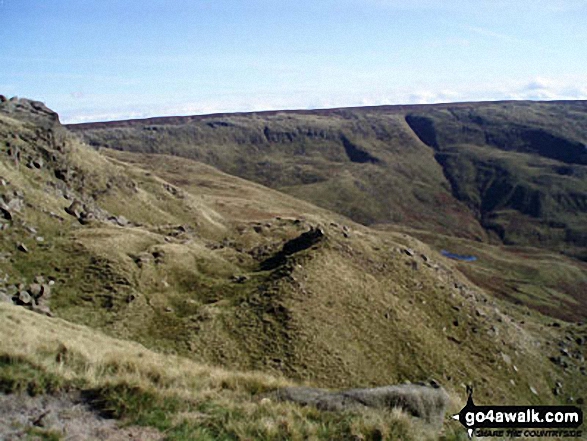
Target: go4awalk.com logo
[[520, 421]]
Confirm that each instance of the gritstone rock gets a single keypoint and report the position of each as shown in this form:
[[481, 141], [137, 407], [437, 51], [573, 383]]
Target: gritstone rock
[[428, 403]]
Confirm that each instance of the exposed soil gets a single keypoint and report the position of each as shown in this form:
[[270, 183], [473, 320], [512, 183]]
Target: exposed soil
[[66, 415]]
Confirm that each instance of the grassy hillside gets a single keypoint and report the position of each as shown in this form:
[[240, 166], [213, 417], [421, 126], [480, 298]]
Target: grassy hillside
[[182, 399], [188, 261], [513, 172]]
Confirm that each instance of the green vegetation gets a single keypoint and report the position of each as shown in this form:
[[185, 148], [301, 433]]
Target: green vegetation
[[156, 269], [181, 398], [511, 171]]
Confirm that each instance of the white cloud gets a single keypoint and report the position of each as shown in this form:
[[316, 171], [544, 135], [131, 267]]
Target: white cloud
[[538, 88]]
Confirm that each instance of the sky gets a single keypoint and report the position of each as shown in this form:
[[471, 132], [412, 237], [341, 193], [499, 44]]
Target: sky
[[111, 59]]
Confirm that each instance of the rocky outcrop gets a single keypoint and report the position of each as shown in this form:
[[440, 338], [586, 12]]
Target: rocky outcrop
[[426, 402], [300, 243], [29, 110]]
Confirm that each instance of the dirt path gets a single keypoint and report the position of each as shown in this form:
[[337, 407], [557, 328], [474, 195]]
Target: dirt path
[[65, 415]]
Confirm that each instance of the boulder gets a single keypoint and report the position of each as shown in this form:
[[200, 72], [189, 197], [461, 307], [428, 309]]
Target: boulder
[[5, 297], [122, 221], [35, 290], [426, 402], [23, 298], [75, 209]]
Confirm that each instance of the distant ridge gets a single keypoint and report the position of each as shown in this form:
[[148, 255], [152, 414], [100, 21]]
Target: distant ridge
[[399, 108]]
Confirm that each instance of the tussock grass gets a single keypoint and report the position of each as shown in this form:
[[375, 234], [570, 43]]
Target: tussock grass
[[183, 398]]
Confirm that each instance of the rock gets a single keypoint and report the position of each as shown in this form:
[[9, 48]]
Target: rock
[[533, 390], [302, 242], [15, 204], [122, 221], [479, 313], [239, 279], [38, 163], [35, 290], [556, 391], [5, 211], [22, 247], [63, 174], [428, 403], [75, 209], [86, 217], [40, 239], [23, 298], [42, 309], [408, 251], [5, 297]]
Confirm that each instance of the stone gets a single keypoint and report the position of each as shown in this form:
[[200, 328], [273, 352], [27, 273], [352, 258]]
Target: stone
[[408, 251], [46, 292], [63, 174], [35, 290], [42, 309], [86, 217], [5, 297], [5, 211], [15, 204], [24, 298], [38, 162], [75, 209], [556, 391], [428, 403], [22, 247]]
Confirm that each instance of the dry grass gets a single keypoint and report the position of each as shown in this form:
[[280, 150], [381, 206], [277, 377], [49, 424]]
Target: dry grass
[[180, 396]]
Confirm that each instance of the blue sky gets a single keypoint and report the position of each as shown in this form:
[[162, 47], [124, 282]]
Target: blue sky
[[112, 59]]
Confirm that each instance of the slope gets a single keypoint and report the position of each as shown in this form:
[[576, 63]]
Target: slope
[[188, 260], [512, 172]]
